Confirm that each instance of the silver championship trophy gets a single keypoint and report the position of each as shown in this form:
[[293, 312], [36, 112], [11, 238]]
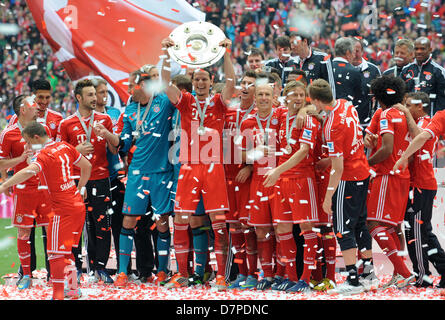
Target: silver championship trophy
[[197, 44]]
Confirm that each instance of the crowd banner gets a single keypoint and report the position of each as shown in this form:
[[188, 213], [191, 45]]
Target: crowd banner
[[109, 38]]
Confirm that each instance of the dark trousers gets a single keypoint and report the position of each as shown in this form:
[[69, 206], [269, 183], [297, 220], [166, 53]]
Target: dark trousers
[[97, 225], [423, 245]]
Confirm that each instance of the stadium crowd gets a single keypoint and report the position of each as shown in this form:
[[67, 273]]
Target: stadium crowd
[[249, 24]]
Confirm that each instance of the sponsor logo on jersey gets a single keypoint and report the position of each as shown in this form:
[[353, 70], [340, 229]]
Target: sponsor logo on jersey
[[307, 134], [67, 185]]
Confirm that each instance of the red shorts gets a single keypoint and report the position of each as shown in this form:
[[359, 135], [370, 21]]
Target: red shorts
[[208, 180], [65, 228], [238, 200], [322, 181], [388, 198], [296, 200], [261, 204], [30, 205]]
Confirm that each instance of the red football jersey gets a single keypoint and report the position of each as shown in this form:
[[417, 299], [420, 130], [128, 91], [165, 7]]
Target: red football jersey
[[308, 135], [56, 162], [51, 119], [394, 122], [437, 125], [253, 136], [232, 154], [206, 148], [72, 131], [12, 145], [343, 136], [421, 168]]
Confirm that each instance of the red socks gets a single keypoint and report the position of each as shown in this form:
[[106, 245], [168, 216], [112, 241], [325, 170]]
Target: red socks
[[251, 251], [310, 248], [221, 245], [265, 249], [57, 265], [240, 251], [24, 252], [289, 251], [389, 247], [181, 243]]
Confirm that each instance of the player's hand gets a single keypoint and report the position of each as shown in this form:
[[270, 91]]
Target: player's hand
[[271, 177], [301, 122], [327, 205], [322, 164], [85, 148], [226, 43], [370, 140], [83, 193], [243, 174], [269, 150], [167, 43], [100, 130], [401, 107], [401, 164], [27, 152]]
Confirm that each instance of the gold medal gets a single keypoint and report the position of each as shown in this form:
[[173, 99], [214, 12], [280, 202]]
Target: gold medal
[[288, 149]]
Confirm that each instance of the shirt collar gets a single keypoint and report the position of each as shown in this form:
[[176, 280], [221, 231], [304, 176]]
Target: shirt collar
[[340, 59]]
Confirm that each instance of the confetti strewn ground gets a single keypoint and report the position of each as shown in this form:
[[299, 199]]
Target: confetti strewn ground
[[148, 291]]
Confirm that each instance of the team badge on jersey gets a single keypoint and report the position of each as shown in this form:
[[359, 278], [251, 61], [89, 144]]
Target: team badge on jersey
[[311, 66], [156, 108], [384, 124], [52, 125], [274, 121], [366, 74], [307, 134], [428, 76], [19, 218]]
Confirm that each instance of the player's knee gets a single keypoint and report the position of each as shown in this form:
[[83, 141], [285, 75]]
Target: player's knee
[[129, 222], [23, 234], [162, 224], [346, 242]]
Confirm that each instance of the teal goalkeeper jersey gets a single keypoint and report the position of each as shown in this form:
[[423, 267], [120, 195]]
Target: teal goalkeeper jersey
[[151, 149]]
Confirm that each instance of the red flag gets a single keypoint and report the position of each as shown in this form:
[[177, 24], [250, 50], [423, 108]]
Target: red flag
[[109, 38]]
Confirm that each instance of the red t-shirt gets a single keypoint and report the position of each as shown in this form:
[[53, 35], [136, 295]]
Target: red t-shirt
[[343, 136], [437, 125], [71, 131], [205, 148], [232, 154], [394, 122], [308, 135], [56, 163], [51, 119], [373, 128], [421, 168], [12, 145], [253, 136]]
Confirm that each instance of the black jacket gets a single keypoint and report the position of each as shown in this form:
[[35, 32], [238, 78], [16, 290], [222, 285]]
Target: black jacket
[[283, 67], [429, 77], [317, 65], [348, 84], [393, 70], [369, 72]]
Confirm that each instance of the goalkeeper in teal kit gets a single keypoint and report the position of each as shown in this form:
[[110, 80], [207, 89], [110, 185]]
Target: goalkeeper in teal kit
[[147, 125]]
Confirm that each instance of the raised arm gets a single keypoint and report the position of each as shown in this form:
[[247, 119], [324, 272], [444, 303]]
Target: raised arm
[[172, 92], [229, 71]]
